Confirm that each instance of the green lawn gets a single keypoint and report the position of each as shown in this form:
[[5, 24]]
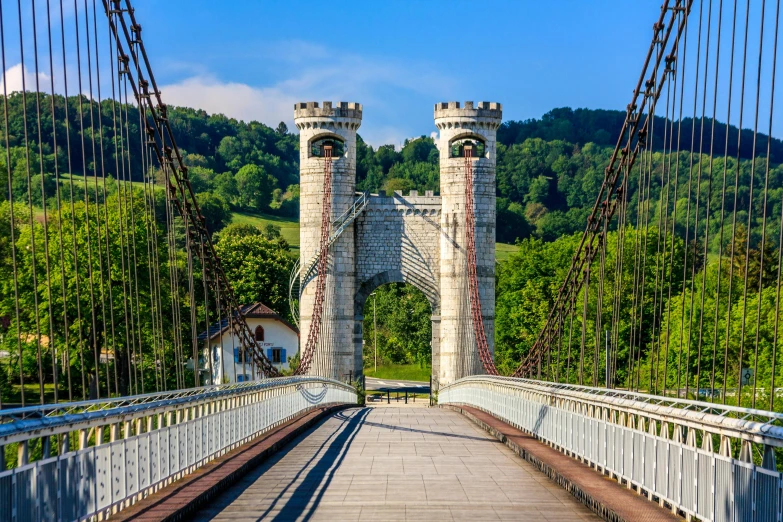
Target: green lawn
[[79, 180], [503, 251], [289, 228], [32, 394], [402, 372]]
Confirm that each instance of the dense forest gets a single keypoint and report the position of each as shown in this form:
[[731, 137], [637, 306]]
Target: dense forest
[[549, 171]]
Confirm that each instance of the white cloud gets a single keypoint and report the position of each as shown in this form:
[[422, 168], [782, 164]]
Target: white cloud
[[12, 80], [235, 100], [343, 77]]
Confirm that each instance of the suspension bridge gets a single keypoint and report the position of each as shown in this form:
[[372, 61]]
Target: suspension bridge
[[649, 393]]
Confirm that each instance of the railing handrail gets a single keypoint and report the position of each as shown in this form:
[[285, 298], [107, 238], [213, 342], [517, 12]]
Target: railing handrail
[[17, 421], [743, 423]]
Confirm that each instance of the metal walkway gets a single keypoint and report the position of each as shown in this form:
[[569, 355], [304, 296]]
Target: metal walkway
[[396, 464]]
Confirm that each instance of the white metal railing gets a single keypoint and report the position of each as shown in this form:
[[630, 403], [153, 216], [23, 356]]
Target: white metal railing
[[301, 276], [94, 458], [703, 460]]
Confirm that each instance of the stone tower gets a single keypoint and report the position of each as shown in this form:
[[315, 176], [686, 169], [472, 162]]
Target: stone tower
[[329, 125], [472, 126]]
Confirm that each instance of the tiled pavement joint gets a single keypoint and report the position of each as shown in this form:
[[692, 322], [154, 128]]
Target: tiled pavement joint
[[604, 496], [395, 464], [181, 498]]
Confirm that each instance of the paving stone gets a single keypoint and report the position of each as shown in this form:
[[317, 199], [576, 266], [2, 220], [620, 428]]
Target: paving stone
[[323, 476]]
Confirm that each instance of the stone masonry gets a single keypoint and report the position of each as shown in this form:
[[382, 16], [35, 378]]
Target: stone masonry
[[415, 239], [458, 353], [334, 357]]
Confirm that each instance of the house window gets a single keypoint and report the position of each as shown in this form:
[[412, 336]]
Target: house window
[[215, 353], [259, 333], [276, 355], [237, 356]]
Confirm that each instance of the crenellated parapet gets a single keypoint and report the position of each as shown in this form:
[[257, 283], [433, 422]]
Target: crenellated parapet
[[470, 116], [328, 115]]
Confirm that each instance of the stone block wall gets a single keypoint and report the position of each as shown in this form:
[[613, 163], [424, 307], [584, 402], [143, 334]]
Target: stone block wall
[[397, 240]]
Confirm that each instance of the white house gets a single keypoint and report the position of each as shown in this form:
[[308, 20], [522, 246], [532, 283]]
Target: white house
[[278, 338]]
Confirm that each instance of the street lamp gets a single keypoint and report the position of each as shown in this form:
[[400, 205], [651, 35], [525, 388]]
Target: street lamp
[[375, 332]]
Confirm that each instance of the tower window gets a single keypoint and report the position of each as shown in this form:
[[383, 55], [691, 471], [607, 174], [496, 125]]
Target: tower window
[[475, 147], [259, 333], [320, 147]]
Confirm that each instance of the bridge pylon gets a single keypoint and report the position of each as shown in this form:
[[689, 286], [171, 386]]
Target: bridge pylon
[[327, 134], [467, 133]]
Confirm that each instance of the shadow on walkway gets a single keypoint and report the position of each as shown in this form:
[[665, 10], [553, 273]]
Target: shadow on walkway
[[320, 475], [298, 498], [414, 430]]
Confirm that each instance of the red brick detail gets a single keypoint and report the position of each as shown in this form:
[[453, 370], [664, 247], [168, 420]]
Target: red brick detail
[[183, 497], [601, 493]]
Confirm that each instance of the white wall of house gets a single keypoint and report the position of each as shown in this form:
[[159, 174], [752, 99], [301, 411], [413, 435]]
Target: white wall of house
[[279, 344]]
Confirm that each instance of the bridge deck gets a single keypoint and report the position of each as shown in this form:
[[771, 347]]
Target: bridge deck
[[396, 464]]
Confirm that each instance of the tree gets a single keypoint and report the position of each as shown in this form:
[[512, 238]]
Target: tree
[[200, 178], [289, 206], [397, 184], [404, 321], [418, 149], [255, 187], [386, 156], [241, 230], [225, 186], [258, 269], [538, 191], [215, 210], [282, 128]]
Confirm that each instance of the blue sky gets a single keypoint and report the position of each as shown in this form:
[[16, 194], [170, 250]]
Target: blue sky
[[253, 59]]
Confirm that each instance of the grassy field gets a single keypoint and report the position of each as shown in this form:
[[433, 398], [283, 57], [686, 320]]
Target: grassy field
[[395, 397], [402, 372], [289, 228], [503, 251], [32, 394]]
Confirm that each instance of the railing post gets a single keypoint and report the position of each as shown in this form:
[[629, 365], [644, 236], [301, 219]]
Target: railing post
[[22, 454], [768, 461]]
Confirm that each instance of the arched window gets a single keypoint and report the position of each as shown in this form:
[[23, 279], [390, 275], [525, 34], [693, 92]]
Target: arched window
[[475, 145], [319, 147], [259, 333]]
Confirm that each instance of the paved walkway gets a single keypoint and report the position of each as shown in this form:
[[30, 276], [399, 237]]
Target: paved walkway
[[396, 464]]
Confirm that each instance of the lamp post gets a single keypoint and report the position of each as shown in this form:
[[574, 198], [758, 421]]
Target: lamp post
[[374, 332]]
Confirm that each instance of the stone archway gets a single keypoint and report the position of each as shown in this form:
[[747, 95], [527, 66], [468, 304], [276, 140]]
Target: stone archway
[[364, 292]]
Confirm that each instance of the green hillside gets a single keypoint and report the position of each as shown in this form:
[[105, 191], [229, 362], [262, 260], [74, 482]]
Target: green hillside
[[289, 228]]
